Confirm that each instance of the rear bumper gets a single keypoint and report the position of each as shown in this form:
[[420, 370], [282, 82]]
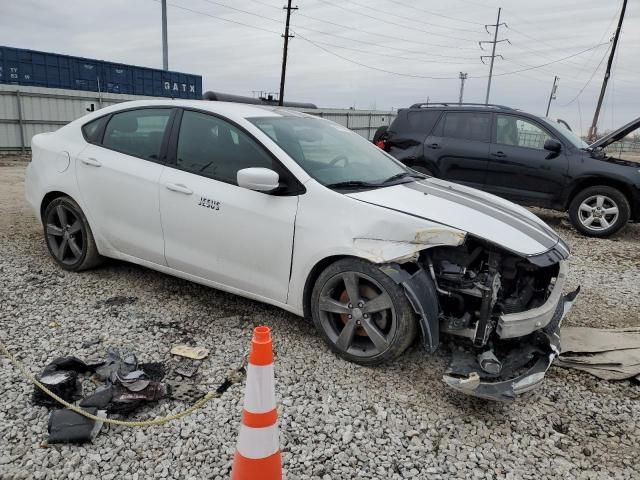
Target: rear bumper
[[524, 361]]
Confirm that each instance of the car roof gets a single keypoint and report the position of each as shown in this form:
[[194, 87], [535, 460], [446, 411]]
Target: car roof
[[224, 108]]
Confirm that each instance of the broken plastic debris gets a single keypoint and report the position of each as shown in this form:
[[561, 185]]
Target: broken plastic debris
[[195, 353], [67, 426]]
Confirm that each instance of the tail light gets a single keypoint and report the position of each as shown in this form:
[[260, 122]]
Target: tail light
[[380, 144]]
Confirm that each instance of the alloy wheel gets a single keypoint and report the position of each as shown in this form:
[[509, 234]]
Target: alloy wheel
[[357, 314], [598, 212], [65, 235]]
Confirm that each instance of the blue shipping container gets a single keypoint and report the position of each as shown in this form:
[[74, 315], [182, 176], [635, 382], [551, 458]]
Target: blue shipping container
[[41, 69]]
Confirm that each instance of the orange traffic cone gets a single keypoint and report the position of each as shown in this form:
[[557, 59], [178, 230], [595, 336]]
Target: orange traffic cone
[[258, 452]]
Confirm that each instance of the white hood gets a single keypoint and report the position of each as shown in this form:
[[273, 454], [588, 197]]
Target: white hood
[[473, 211]]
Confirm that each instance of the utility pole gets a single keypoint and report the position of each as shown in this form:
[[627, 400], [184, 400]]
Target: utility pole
[[165, 43], [553, 93], [493, 50], [286, 36], [463, 77], [593, 130]]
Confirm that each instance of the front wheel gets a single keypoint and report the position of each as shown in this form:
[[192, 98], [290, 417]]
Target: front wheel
[[599, 211], [361, 313], [68, 235]]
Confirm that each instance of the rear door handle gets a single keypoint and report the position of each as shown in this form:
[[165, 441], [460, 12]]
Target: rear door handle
[[91, 161], [178, 187], [499, 154], [434, 146]]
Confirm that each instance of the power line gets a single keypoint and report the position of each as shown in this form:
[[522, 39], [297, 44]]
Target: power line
[[223, 19], [437, 14], [588, 81], [370, 66], [413, 19], [396, 56], [437, 78], [387, 21]]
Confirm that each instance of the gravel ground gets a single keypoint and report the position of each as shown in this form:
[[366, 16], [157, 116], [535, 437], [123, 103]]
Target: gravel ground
[[337, 420]]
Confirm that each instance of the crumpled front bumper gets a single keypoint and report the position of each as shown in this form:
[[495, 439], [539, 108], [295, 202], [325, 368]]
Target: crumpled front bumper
[[524, 361]]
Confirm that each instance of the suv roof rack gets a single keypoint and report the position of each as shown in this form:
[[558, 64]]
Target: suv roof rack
[[456, 104]]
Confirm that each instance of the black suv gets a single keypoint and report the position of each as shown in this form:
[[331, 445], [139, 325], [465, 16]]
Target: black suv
[[524, 158]]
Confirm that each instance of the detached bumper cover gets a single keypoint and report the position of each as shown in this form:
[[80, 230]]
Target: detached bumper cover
[[524, 362], [515, 325]]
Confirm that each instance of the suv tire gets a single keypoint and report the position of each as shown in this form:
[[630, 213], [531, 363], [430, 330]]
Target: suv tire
[[599, 211], [357, 329]]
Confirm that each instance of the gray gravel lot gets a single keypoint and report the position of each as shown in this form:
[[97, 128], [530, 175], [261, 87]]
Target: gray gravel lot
[[337, 420]]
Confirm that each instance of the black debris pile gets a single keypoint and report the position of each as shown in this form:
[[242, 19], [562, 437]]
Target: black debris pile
[[125, 386]]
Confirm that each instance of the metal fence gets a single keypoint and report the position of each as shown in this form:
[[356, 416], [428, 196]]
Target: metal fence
[[27, 111]]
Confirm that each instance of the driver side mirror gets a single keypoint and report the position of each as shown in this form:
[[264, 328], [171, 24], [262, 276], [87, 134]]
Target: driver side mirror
[[258, 179], [552, 145]]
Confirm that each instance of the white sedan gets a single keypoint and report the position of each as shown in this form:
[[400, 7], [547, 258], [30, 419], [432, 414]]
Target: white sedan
[[301, 213]]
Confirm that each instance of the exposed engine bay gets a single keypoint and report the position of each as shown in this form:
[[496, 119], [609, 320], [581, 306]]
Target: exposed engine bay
[[501, 312], [476, 284]]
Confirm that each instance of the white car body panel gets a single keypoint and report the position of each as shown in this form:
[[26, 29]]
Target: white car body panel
[[121, 192], [244, 241], [258, 245]]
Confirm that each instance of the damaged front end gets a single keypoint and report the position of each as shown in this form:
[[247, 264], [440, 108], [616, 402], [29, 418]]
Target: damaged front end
[[502, 309]]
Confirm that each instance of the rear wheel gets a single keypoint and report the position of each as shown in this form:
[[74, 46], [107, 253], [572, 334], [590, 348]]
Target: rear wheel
[[68, 235], [599, 211], [361, 313]]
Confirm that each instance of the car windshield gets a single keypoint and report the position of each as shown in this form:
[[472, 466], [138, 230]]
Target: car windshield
[[575, 140], [332, 154]]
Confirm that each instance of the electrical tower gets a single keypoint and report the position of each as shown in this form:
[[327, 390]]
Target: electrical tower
[[286, 36], [493, 50], [552, 96], [463, 77], [593, 129]]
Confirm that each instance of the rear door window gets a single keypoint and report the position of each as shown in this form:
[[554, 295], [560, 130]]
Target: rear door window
[[92, 130], [137, 132], [467, 126]]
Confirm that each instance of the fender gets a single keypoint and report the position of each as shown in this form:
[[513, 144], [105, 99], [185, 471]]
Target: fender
[[422, 295]]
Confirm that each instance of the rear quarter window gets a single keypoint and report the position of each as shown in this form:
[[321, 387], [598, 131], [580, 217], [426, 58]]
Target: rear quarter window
[[92, 130]]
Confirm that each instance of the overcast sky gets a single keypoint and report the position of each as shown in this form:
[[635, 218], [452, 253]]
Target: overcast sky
[[343, 48]]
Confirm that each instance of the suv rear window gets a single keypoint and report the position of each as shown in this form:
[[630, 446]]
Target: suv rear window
[[411, 121], [467, 126]]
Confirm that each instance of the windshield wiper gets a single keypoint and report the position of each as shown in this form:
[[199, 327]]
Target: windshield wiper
[[401, 175], [352, 184]]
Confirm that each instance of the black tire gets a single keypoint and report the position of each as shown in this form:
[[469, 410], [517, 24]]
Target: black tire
[[380, 131], [393, 325], [66, 226], [592, 205]]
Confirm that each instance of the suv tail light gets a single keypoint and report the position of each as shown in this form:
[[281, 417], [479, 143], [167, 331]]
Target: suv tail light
[[380, 144]]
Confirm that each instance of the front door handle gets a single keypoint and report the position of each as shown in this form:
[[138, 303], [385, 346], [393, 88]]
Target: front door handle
[[434, 146], [178, 187], [91, 161], [499, 154]]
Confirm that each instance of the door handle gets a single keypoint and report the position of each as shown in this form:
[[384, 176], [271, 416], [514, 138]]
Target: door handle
[[91, 161], [178, 187], [499, 154], [434, 146]]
